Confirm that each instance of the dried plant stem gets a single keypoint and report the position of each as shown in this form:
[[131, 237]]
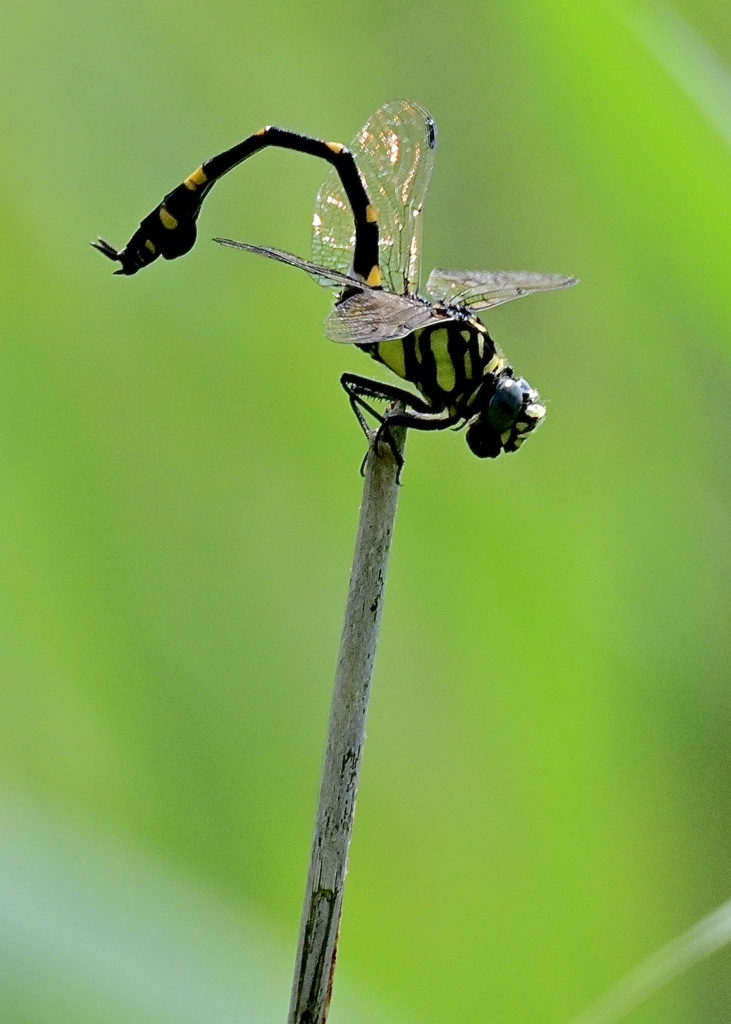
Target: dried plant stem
[[317, 943]]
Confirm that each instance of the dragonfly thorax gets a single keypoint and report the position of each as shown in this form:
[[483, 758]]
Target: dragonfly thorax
[[447, 360], [459, 370]]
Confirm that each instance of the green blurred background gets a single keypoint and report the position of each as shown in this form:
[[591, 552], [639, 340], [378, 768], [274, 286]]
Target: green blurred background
[[544, 798]]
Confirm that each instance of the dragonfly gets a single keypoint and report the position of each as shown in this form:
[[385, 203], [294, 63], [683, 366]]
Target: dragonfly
[[367, 248]]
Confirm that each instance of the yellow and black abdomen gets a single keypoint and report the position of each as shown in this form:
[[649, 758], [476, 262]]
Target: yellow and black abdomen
[[446, 361]]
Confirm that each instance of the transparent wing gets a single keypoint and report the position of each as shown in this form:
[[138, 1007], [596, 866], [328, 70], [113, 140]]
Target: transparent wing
[[372, 316], [332, 277], [481, 289], [394, 151], [369, 316]]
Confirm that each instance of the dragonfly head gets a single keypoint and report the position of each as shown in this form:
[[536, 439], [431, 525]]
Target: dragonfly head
[[509, 410]]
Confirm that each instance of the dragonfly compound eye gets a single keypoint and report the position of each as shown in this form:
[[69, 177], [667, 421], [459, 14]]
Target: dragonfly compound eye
[[512, 413], [504, 407], [483, 441]]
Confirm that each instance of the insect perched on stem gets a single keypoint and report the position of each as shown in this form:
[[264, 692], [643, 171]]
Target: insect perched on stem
[[366, 244]]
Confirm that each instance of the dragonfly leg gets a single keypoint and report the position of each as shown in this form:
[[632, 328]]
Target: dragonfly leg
[[416, 414], [358, 387]]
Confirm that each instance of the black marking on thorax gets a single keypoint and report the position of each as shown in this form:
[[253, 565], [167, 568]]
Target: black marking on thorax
[[446, 361]]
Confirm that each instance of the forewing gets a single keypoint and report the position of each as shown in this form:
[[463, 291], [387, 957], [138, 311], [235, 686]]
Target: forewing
[[372, 316], [482, 289], [394, 151], [331, 277], [369, 316]]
